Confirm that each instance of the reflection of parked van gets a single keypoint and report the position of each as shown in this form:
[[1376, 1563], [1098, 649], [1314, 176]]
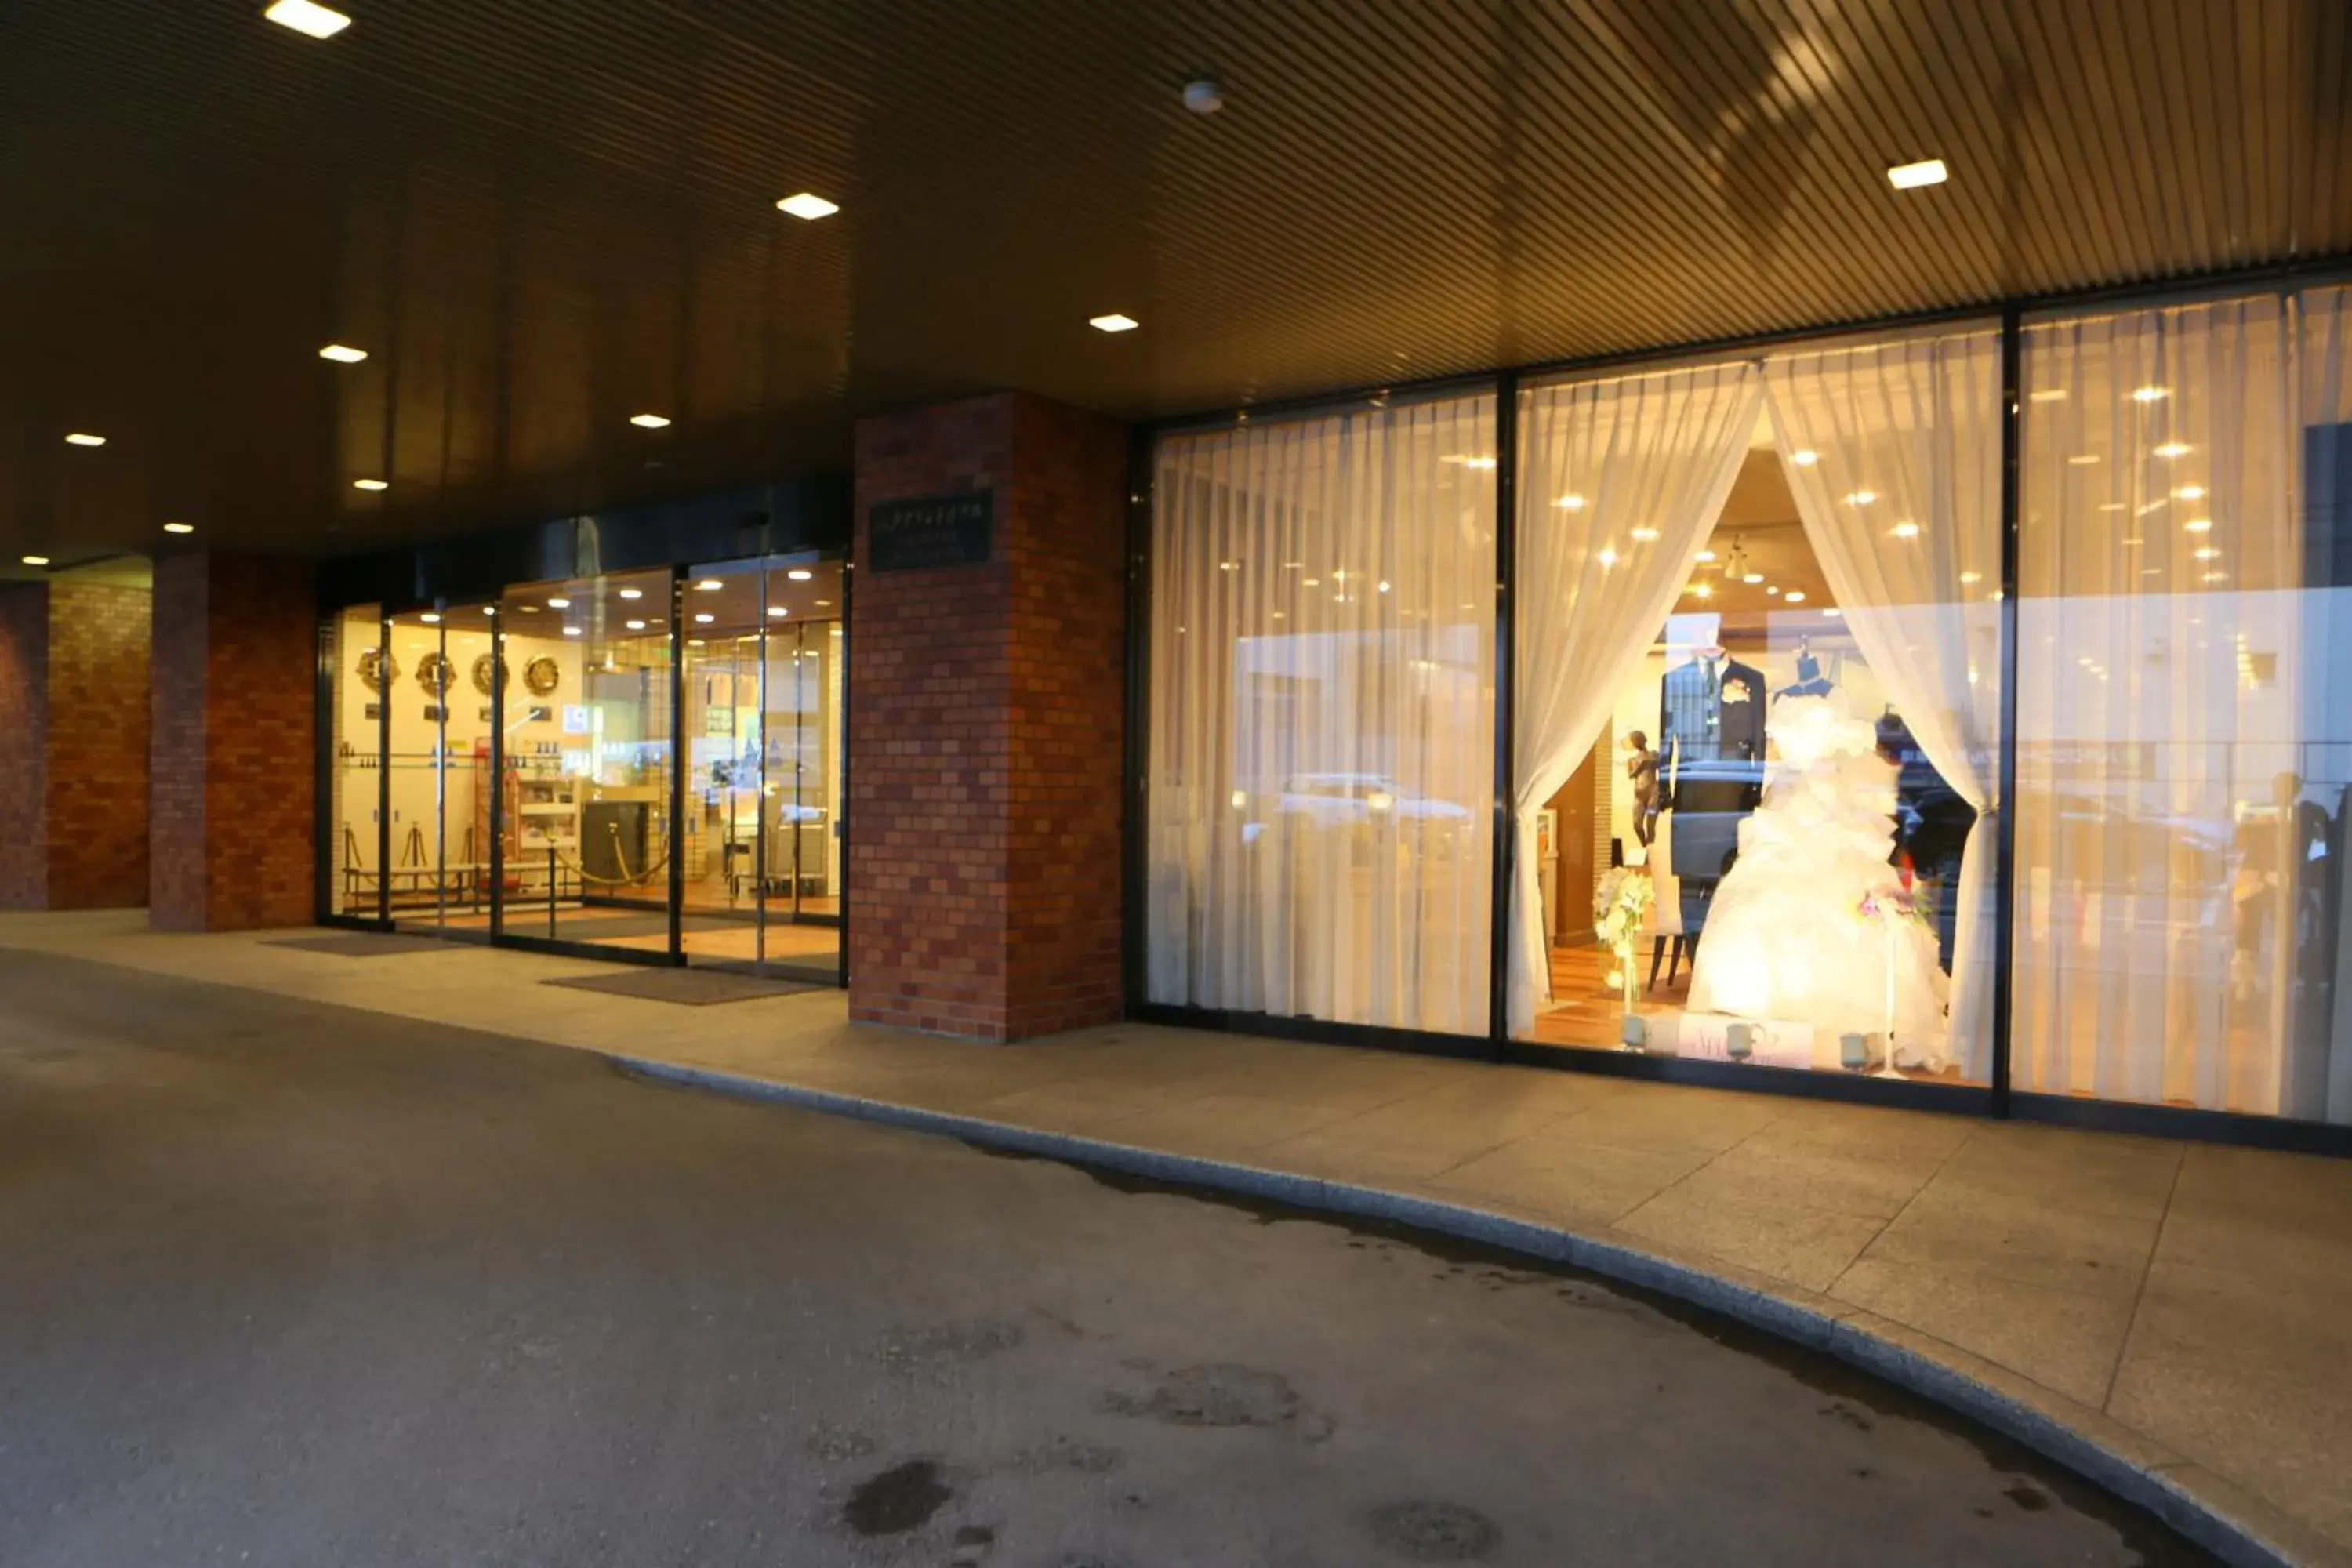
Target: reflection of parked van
[[1710, 801]]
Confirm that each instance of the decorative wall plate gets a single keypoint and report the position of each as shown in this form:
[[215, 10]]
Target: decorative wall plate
[[378, 670], [482, 673], [542, 675], [435, 672]]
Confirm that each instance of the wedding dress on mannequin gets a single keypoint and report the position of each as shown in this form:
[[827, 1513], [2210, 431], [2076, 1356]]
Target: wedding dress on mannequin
[[1788, 937]]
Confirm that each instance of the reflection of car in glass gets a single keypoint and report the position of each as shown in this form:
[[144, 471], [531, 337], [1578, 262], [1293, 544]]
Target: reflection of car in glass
[[1354, 800], [1710, 801]]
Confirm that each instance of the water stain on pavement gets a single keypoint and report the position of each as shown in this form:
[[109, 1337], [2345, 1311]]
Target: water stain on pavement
[[1435, 1532], [898, 1500], [935, 1350]]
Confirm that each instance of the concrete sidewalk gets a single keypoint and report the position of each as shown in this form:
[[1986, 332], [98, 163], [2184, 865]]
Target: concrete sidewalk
[[2172, 1318]]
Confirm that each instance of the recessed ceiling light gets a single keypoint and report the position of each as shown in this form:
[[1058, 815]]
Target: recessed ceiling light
[[1794, 596], [710, 585], [1569, 503], [808, 205], [1906, 529], [305, 17], [489, 609], [2199, 525], [2047, 395], [778, 610], [649, 421], [633, 593], [572, 631], [1752, 578], [1114, 322], [36, 561], [694, 642], [2209, 552], [704, 619], [637, 626], [1645, 534], [2151, 394], [179, 528], [1702, 591], [2190, 492], [558, 603], [800, 574], [430, 618], [1478, 462], [1607, 558], [369, 485], [1705, 556], [1832, 612], [2173, 450], [1772, 590], [2081, 459], [1805, 458], [1862, 498], [1911, 176], [2217, 577], [1383, 585], [826, 603], [342, 354], [1971, 577], [80, 439]]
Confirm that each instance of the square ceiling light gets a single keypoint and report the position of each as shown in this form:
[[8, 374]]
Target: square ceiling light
[[306, 17], [342, 354], [806, 205], [650, 421], [369, 485], [1114, 322], [79, 439], [1911, 176]]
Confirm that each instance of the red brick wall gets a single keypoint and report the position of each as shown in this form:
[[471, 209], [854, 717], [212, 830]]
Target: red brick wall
[[985, 707], [24, 745], [98, 746], [235, 725]]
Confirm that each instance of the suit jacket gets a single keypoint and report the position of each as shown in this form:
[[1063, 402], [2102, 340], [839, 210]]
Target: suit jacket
[[1711, 711]]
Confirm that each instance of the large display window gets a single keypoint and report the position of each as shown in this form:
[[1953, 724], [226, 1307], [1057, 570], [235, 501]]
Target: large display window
[[1965, 709], [1757, 654]]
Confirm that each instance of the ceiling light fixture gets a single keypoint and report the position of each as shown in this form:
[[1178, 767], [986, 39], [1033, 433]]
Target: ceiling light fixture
[[2217, 577], [369, 485], [2210, 552], [342, 354], [637, 626], [558, 603], [1702, 591], [1607, 557], [1832, 613], [308, 17], [179, 528], [1478, 462], [1911, 176], [1383, 586], [1862, 498], [1114, 322], [709, 585], [2190, 492], [572, 631], [430, 618], [2173, 450], [2047, 395], [1645, 534], [2151, 394], [489, 609], [633, 593], [1906, 529], [650, 421], [1569, 503], [807, 205], [78, 439], [1794, 596], [1752, 578], [36, 560], [1705, 555], [1967, 577], [704, 619], [2084, 459], [2197, 525], [800, 574], [1805, 458], [777, 611]]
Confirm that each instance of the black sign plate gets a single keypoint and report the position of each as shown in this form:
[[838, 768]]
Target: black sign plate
[[931, 532]]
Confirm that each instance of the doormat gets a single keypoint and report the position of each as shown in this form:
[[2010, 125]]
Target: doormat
[[687, 987], [363, 943]]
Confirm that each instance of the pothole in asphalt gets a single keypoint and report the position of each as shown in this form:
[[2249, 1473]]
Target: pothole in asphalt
[[1435, 1532], [901, 1498]]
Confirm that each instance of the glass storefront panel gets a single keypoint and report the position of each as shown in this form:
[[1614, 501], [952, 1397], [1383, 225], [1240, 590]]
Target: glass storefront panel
[[1758, 722], [587, 791], [1319, 830], [358, 677], [2185, 627], [438, 767], [802, 856]]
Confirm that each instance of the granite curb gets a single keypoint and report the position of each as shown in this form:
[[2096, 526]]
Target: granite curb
[[2223, 1518]]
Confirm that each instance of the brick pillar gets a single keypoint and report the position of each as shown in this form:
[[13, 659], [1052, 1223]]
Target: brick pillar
[[73, 746], [235, 727], [986, 707]]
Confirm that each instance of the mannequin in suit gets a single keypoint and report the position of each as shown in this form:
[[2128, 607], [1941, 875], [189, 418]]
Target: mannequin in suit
[[1711, 709]]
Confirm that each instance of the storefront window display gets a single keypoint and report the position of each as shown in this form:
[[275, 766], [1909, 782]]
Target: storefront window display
[[2185, 711], [1757, 657], [1321, 746]]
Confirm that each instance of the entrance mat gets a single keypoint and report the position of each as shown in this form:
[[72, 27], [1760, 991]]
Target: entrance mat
[[687, 987], [363, 943]]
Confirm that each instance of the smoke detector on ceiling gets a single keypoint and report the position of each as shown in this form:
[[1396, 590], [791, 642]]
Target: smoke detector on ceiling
[[1204, 94]]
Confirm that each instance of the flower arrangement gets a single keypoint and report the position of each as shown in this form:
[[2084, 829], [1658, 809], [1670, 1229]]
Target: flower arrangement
[[1621, 903], [1892, 904]]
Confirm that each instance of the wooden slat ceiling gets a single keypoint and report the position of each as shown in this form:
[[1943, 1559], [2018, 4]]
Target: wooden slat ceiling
[[542, 219]]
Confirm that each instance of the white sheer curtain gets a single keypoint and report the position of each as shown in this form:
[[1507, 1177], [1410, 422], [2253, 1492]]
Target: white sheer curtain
[[1893, 450], [1321, 818], [2317, 1074], [2160, 673], [1619, 481]]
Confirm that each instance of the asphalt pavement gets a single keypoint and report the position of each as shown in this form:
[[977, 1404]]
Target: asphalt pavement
[[285, 1284]]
